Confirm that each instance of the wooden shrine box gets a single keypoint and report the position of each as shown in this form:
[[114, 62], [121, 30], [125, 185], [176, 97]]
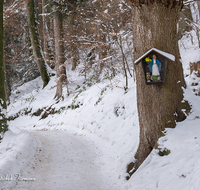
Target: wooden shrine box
[[155, 69]]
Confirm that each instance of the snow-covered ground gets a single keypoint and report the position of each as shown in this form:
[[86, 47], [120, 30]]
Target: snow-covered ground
[[87, 140], [70, 162], [103, 114]]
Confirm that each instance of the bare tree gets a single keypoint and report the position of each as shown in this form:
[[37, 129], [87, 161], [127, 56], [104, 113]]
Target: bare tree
[[59, 50], [3, 121], [46, 24], [35, 42], [18, 57]]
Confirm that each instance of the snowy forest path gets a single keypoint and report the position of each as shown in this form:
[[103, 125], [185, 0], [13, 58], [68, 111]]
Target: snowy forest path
[[65, 162]]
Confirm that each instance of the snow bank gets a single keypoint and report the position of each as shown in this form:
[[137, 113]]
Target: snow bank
[[103, 113], [178, 170], [17, 151]]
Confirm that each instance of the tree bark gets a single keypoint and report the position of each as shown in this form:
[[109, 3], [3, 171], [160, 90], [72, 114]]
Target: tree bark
[[3, 121], [73, 41], [159, 106], [39, 18], [59, 50], [35, 42], [103, 51], [45, 36]]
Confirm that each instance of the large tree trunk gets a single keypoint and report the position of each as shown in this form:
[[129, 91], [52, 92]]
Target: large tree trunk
[[35, 42], [159, 106], [59, 49], [3, 121]]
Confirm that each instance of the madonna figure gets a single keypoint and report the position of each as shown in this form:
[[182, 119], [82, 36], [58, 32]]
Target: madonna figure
[[155, 67]]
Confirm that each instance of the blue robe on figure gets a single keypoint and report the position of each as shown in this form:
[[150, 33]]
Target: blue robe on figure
[[157, 62]]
